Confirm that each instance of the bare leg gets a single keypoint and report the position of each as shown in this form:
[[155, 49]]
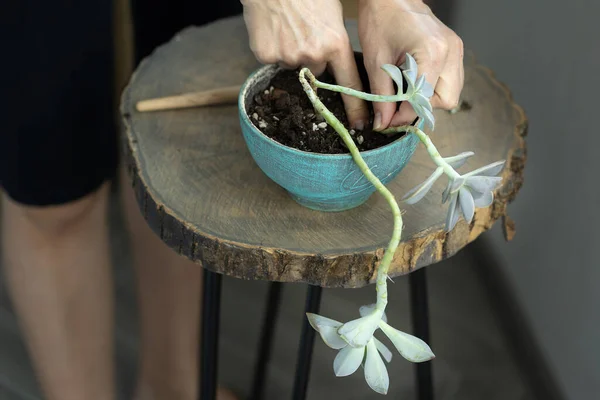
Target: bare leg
[[169, 289], [57, 265]]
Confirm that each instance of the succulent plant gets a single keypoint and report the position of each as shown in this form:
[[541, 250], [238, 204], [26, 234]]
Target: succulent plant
[[355, 339], [370, 354], [466, 192], [419, 91]]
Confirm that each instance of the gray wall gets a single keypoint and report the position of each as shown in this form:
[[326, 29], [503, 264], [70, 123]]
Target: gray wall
[[548, 52]]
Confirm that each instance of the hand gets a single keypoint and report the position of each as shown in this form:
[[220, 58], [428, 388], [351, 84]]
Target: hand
[[388, 29], [307, 33]]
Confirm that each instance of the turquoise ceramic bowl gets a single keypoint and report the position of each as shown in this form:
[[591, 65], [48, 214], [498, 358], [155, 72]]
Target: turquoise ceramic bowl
[[322, 182]]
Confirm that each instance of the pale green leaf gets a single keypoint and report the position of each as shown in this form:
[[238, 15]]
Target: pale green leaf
[[428, 118], [453, 186], [327, 329], [359, 331], [483, 184], [420, 100], [409, 63], [385, 352], [483, 200], [410, 347], [410, 76], [488, 170], [348, 360], [417, 193], [368, 309], [396, 75], [419, 83], [459, 160], [376, 374], [453, 213], [467, 204], [426, 89]]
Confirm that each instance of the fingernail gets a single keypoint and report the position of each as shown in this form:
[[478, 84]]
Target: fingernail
[[377, 122], [359, 125]]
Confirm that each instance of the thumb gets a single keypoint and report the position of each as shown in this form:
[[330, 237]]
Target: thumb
[[382, 84], [405, 115]]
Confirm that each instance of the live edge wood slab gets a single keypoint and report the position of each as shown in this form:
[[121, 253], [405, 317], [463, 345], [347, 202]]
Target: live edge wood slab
[[201, 192]]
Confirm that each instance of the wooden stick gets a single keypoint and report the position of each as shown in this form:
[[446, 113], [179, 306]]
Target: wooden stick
[[225, 95]]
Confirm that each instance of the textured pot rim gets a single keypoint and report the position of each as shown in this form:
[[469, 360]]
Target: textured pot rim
[[269, 70]]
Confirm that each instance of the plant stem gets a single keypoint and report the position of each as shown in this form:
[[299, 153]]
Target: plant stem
[[356, 93], [431, 149], [381, 285]]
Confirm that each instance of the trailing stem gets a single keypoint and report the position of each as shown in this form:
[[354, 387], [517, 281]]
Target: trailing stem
[[361, 95], [431, 149], [354, 339], [331, 119]]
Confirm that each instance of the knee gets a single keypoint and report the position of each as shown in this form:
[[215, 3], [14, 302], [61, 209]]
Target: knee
[[58, 220]]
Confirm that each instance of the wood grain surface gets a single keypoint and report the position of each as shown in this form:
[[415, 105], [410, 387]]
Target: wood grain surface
[[202, 193]]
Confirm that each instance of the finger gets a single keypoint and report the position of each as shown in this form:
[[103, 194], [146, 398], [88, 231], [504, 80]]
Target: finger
[[446, 94], [285, 65], [382, 84], [451, 81], [317, 69], [345, 71], [405, 115]]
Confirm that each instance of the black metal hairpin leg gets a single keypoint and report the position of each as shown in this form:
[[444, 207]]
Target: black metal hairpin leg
[[420, 320], [266, 340], [211, 307], [307, 340]]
